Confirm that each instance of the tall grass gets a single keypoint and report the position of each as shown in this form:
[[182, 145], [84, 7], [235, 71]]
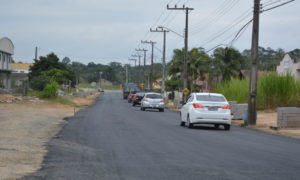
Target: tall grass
[[234, 90], [273, 91]]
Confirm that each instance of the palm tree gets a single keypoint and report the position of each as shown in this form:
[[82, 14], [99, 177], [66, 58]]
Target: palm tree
[[228, 61]]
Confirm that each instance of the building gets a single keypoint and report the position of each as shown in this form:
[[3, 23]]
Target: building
[[289, 64], [20, 72], [6, 52]]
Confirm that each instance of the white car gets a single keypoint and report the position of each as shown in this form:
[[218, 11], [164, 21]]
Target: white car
[[206, 108], [153, 101]]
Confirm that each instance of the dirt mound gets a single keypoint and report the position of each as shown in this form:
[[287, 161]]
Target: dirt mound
[[7, 98]]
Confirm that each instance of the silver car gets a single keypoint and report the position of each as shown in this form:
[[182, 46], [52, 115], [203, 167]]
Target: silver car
[[153, 101]]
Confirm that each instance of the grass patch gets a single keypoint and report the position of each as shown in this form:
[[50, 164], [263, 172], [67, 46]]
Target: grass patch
[[65, 101], [85, 85], [273, 91]]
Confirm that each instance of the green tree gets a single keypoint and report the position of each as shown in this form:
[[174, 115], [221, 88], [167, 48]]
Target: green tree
[[228, 61], [51, 67]]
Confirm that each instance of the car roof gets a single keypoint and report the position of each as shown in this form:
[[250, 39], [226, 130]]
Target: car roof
[[214, 94], [152, 93]]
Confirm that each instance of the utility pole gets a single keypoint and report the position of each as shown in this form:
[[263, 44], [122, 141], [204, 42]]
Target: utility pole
[[161, 29], [144, 68], [151, 69], [145, 51], [185, 67], [252, 114], [134, 61], [126, 66], [139, 70], [139, 56], [36, 53]]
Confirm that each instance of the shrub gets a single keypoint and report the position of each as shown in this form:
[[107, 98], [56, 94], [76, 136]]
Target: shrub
[[38, 83], [50, 90]]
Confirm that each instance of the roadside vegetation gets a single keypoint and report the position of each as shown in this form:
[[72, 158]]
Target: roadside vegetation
[[273, 91]]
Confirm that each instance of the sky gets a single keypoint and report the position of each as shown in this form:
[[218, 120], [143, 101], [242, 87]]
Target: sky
[[102, 31]]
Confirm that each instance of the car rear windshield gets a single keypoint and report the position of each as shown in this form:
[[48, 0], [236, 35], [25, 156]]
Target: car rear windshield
[[154, 96], [140, 94], [210, 98]]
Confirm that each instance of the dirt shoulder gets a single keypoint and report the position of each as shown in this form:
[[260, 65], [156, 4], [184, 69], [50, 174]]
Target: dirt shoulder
[[267, 119], [25, 128]]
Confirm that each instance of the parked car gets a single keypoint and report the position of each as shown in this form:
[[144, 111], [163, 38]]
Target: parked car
[[130, 96], [100, 90], [137, 98], [206, 108], [153, 101], [127, 87]]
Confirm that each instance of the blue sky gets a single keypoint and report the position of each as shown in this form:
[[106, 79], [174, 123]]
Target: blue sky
[[109, 30]]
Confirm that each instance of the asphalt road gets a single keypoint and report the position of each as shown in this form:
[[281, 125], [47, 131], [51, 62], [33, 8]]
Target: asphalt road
[[115, 141]]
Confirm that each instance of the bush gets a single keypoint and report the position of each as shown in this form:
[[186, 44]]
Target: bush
[[38, 83], [50, 90], [171, 95]]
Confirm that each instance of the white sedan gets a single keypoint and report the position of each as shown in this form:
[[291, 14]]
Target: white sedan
[[206, 108]]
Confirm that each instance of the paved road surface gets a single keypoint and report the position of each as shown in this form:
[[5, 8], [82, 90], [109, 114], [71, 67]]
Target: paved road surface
[[115, 141]]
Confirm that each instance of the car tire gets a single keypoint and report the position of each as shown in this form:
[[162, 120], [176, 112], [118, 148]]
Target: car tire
[[227, 127], [142, 109], [182, 123], [133, 104], [161, 110], [188, 123], [217, 126]]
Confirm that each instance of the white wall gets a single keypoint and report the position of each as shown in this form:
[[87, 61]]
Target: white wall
[[287, 65]]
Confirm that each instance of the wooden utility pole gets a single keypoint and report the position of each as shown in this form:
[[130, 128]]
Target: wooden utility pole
[[252, 114], [36, 53], [163, 86], [185, 66], [152, 55], [139, 56], [144, 68]]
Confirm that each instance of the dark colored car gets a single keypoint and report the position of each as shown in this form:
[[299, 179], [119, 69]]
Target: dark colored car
[[136, 100], [129, 87], [100, 90]]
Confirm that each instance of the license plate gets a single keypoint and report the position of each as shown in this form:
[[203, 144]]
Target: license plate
[[212, 108]]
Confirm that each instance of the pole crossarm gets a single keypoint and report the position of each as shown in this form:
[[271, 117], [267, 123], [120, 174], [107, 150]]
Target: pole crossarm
[[179, 8]]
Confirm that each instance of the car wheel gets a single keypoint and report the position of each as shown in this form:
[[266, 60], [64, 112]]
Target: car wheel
[[227, 127], [188, 123], [217, 126], [142, 109], [182, 123], [133, 104], [161, 110]]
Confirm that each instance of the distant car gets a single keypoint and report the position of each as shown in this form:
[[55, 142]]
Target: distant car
[[100, 90], [136, 100], [153, 101], [206, 108], [130, 96]]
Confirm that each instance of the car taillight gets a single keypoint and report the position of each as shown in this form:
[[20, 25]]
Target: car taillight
[[162, 101], [226, 107], [145, 100], [198, 106]]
